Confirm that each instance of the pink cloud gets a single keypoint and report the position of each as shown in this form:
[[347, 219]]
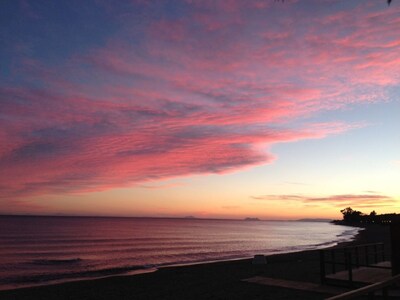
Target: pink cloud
[[97, 160], [203, 93]]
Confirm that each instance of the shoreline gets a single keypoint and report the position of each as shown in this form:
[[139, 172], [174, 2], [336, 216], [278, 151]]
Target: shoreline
[[199, 280]]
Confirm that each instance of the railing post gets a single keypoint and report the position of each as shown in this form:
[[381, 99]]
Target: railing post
[[366, 256], [357, 257], [376, 253], [333, 261], [383, 252], [349, 267], [322, 266]]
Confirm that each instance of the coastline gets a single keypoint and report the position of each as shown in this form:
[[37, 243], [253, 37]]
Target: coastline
[[211, 280]]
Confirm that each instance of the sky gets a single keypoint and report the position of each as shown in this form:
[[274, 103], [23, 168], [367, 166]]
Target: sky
[[212, 109]]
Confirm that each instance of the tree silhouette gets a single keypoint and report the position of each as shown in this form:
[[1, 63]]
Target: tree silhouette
[[350, 215]]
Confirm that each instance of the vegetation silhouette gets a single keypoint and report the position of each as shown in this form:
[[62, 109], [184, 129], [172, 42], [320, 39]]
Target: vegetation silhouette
[[351, 216]]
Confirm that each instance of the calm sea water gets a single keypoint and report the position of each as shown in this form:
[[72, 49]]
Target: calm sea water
[[43, 250]]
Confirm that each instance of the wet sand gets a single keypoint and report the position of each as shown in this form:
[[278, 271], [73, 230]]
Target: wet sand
[[220, 280]]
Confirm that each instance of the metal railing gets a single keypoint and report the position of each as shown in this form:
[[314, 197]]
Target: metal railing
[[348, 258], [369, 290]]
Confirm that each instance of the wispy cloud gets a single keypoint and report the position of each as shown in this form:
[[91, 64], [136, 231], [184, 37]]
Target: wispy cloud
[[355, 200], [200, 92]]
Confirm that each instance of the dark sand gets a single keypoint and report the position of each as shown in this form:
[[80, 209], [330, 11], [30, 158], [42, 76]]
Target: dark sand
[[221, 280]]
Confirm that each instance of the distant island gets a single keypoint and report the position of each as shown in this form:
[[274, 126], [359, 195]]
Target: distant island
[[190, 217], [252, 219]]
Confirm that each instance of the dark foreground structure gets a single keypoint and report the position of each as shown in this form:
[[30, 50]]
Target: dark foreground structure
[[221, 280]]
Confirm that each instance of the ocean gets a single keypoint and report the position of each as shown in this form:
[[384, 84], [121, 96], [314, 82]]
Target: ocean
[[46, 250]]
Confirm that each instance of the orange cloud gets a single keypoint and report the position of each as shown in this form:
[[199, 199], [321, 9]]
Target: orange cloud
[[355, 200]]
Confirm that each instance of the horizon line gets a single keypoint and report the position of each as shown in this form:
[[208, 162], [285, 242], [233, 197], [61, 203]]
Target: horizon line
[[150, 217]]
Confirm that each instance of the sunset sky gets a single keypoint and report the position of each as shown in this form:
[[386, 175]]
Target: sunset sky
[[215, 109]]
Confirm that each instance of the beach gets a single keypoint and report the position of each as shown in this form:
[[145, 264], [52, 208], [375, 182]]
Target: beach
[[219, 280]]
